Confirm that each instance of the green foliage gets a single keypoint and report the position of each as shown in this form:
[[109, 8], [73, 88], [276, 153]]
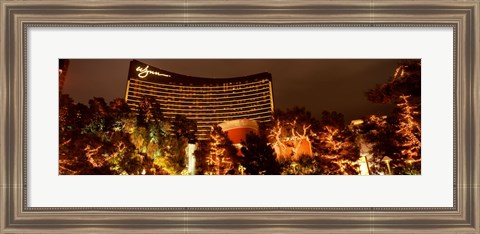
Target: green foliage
[[174, 161], [111, 139]]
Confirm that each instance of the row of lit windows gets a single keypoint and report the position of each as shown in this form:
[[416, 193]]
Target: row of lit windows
[[218, 87], [219, 119], [218, 115], [146, 90], [207, 105], [205, 111], [205, 86], [201, 120], [212, 114], [202, 123], [209, 111], [160, 89], [265, 111], [200, 105], [206, 101], [190, 95]]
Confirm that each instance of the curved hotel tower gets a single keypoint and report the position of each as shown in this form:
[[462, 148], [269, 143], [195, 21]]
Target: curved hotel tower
[[208, 101]]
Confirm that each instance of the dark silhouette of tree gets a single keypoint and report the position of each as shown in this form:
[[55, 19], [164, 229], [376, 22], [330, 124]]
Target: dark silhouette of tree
[[72, 117], [202, 153], [100, 120], [63, 65], [148, 112], [377, 136], [332, 119], [406, 81], [184, 127], [258, 157], [118, 107]]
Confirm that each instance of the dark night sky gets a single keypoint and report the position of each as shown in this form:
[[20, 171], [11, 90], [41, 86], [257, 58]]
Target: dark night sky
[[317, 84]]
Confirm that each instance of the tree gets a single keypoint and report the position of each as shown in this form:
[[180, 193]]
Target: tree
[[72, 117], [148, 112], [406, 81], [399, 135], [258, 157], [335, 145], [290, 131], [310, 166], [184, 127], [408, 133], [119, 109], [305, 145], [221, 156], [122, 157], [77, 151], [173, 158], [99, 139], [376, 137], [202, 153]]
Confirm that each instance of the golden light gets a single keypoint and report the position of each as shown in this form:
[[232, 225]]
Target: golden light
[[144, 72], [409, 160], [387, 160]]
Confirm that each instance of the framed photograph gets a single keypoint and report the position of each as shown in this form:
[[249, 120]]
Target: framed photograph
[[158, 122], [240, 117]]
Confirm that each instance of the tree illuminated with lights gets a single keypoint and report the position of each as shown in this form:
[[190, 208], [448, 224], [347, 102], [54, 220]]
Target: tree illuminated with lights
[[290, 131], [111, 139], [101, 138], [408, 132], [335, 145], [310, 146], [220, 155], [398, 136]]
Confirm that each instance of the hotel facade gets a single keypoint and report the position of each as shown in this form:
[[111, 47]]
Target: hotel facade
[[207, 101]]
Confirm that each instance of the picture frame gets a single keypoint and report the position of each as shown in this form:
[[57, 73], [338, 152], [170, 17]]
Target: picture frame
[[17, 17]]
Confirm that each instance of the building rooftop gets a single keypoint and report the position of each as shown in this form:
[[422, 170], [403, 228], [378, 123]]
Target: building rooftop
[[153, 74]]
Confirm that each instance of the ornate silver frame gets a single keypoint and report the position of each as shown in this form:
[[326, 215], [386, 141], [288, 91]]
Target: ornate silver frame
[[17, 16]]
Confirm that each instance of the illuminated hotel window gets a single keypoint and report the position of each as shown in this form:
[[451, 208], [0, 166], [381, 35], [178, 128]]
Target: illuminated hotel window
[[208, 101]]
